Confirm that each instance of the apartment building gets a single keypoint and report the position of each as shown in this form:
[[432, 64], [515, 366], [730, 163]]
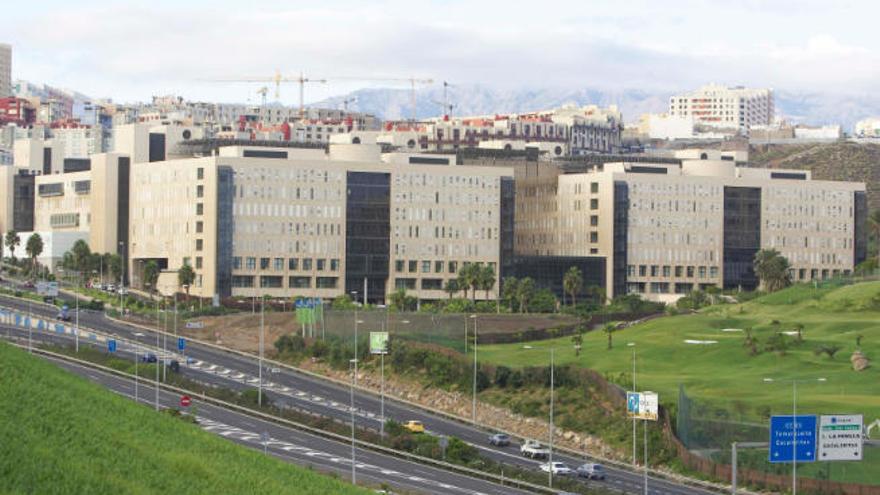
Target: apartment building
[[287, 222], [5, 70], [725, 107], [667, 229]]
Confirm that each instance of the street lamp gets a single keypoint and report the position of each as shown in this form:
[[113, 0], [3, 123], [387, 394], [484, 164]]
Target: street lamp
[[262, 328], [633, 345], [474, 404], [550, 442], [353, 364], [794, 383], [137, 337]]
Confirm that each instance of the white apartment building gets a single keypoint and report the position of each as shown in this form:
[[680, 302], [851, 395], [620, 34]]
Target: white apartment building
[[5, 70], [868, 128], [725, 107]]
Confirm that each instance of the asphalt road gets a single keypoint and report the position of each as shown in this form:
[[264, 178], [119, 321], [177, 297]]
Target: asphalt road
[[290, 388], [304, 449]]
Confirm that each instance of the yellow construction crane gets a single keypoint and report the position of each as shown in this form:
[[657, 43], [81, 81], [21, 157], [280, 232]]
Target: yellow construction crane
[[277, 79]]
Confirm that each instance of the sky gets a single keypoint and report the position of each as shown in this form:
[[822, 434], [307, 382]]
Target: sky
[[133, 50]]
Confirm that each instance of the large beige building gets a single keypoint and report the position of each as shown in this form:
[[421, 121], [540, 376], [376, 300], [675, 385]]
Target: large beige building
[[288, 222], [725, 107], [664, 230]]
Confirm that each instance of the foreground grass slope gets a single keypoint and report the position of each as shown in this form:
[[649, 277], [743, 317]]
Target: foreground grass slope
[[725, 372], [63, 434]]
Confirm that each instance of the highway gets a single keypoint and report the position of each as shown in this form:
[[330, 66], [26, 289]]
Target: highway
[[304, 449], [294, 389]]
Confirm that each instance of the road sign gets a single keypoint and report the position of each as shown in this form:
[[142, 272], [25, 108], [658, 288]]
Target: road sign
[[111, 345], [840, 437], [195, 324], [782, 430], [642, 405], [181, 343], [47, 289], [185, 401], [378, 342]]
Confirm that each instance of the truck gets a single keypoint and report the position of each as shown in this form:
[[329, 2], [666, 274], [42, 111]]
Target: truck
[[534, 450]]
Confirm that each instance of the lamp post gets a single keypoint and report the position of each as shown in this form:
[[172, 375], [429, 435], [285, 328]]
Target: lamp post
[[474, 402], [76, 317], [633, 345], [121, 277], [158, 330], [137, 337], [794, 383], [353, 365], [550, 442], [262, 327]]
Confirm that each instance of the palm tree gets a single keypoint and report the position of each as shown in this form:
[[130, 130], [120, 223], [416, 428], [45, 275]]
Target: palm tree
[[398, 299], [467, 279], [185, 278], [1, 251], [486, 278], [34, 248], [508, 291], [874, 223], [12, 240], [572, 282], [525, 290], [451, 287], [82, 255], [151, 276], [772, 269], [578, 340], [609, 330]]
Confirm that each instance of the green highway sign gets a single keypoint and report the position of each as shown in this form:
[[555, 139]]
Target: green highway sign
[[378, 342]]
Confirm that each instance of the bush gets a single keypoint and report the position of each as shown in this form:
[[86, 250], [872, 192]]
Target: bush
[[459, 306], [502, 376], [461, 453], [543, 302], [343, 303], [292, 344]]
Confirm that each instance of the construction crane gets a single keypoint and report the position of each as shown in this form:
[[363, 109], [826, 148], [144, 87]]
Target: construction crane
[[346, 101], [277, 79], [447, 107]]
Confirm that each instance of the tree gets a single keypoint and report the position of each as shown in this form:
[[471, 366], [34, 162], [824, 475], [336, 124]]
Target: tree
[[82, 255], [1, 250], [12, 241], [114, 263], [525, 290], [398, 299], [830, 350], [572, 282], [578, 340], [151, 276], [772, 269], [609, 330], [451, 287], [486, 278], [508, 291], [34, 248], [799, 328], [468, 278], [185, 278]]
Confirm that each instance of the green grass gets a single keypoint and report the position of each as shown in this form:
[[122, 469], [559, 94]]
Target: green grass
[[63, 434], [724, 374]]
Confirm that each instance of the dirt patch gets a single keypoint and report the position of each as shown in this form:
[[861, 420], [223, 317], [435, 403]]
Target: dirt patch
[[242, 331]]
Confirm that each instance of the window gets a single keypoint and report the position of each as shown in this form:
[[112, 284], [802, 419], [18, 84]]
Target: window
[[594, 187], [643, 270], [426, 267], [713, 271], [200, 191], [307, 264], [398, 265], [199, 227], [334, 265], [326, 282], [271, 282], [199, 244], [264, 263], [438, 267], [278, 264], [251, 263], [236, 262], [690, 272], [320, 264], [667, 271], [655, 270], [405, 283], [594, 237], [679, 271], [200, 174], [594, 204], [453, 266], [594, 220], [432, 284], [413, 266], [293, 264], [702, 272], [299, 282], [242, 281], [198, 262], [200, 209]]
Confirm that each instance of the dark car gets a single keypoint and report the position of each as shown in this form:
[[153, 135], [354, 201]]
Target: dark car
[[173, 365], [591, 471], [149, 358], [64, 314], [500, 440]]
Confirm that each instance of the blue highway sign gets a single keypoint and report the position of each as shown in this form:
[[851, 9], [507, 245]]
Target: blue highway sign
[[782, 431]]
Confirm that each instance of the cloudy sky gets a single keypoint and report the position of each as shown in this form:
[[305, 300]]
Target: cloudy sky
[[132, 50]]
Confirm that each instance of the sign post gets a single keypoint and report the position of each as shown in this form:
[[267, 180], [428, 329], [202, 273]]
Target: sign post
[[181, 346], [783, 447], [644, 406], [379, 345], [111, 345], [185, 401], [840, 437]]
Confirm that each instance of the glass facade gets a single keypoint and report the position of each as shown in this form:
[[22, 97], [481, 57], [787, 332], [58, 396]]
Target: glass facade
[[549, 271], [621, 226], [367, 233], [742, 236]]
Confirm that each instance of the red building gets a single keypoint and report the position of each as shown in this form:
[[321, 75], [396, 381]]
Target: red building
[[16, 111]]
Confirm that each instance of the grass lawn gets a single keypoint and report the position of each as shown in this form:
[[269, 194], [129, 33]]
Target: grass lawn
[[724, 373], [63, 434]]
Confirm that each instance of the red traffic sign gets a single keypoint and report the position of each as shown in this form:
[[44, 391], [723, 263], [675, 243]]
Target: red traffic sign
[[185, 401]]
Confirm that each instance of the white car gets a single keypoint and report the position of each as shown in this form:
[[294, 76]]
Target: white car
[[557, 468]]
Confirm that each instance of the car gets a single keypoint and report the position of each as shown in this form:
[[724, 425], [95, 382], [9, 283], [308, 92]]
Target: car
[[591, 471], [414, 426], [111, 288], [29, 285], [122, 291], [534, 450], [500, 440], [64, 314], [557, 468], [149, 358], [173, 365]]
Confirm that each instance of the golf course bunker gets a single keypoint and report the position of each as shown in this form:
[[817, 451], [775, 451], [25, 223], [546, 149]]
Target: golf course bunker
[[700, 342], [729, 330]]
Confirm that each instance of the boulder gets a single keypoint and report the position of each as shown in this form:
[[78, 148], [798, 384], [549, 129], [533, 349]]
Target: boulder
[[859, 361]]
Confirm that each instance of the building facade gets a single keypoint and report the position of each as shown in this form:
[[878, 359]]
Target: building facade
[[295, 222], [5, 70], [668, 229], [725, 107]]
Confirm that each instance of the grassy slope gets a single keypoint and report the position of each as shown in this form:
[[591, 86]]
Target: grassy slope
[[62, 434], [724, 373]]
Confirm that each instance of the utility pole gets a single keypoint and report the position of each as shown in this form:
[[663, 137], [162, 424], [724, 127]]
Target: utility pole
[[262, 325], [76, 322], [550, 457], [474, 402]]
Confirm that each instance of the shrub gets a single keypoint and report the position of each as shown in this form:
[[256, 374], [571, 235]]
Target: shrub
[[543, 302]]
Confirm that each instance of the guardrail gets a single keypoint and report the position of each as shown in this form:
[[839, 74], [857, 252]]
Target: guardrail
[[311, 430]]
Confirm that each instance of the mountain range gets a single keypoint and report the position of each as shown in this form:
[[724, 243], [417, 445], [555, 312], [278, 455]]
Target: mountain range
[[386, 103]]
